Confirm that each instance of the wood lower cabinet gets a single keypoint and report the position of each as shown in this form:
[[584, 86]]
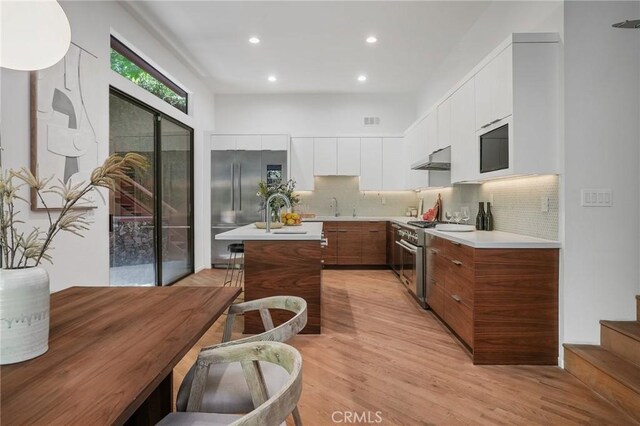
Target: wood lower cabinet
[[349, 243], [374, 243], [353, 243], [502, 303]]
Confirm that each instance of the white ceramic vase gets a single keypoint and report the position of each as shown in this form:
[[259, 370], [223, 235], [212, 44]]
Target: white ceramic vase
[[24, 314]]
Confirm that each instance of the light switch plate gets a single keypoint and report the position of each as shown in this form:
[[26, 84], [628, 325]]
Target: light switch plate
[[596, 198]]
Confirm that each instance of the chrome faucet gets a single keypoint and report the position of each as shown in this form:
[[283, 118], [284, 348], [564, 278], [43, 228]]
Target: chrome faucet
[[276, 195], [335, 207]]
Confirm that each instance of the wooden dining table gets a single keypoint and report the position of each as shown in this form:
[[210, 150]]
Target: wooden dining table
[[111, 354]]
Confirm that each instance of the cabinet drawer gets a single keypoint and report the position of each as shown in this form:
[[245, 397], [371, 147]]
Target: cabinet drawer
[[435, 298], [460, 318], [459, 287], [458, 253], [374, 243]]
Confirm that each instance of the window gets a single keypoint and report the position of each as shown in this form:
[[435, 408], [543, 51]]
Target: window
[[132, 67]]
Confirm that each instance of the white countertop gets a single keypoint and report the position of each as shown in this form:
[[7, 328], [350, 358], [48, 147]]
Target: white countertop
[[495, 239], [312, 231]]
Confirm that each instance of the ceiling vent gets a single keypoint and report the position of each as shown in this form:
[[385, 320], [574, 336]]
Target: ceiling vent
[[372, 121]]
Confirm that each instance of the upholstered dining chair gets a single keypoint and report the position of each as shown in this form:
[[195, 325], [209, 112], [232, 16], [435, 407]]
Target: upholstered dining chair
[[225, 390], [269, 411]]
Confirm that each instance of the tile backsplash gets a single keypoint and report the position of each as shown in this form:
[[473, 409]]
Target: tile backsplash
[[517, 203], [516, 207], [346, 190]]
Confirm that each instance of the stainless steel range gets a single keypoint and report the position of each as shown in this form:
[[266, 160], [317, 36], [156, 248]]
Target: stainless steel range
[[411, 243]]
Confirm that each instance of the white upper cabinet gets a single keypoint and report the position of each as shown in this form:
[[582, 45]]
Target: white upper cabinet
[[431, 131], [415, 146], [371, 164], [494, 89], [301, 167], [464, 149], [248, 142], [393, 165], [275, 142], [223, 142], [348, 157], [233, 142], [444, 124], [325, 156]]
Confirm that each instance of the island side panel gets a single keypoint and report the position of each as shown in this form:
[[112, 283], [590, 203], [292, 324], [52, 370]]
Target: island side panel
[[290, 268]]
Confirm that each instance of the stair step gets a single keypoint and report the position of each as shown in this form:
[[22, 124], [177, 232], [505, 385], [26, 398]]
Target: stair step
[[612, 377], [622, 338]]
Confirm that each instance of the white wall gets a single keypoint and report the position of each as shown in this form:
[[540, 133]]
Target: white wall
[[314, 114], [499, 20], [85, 261], [602, 150]]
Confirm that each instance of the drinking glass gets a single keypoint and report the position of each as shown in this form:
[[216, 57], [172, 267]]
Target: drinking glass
[[447, 216], [466, 214], [456, 217]]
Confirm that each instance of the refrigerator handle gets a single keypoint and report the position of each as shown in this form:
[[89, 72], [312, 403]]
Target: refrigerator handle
[[239, 186], [233, 186]]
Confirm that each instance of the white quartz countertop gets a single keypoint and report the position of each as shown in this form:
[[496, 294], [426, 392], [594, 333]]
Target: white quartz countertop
[[306, 231], [495, 239]]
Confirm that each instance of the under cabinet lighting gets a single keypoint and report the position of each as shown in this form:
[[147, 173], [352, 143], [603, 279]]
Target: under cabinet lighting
[[272, 78], [362, 78], [254, 40], [371, 39]]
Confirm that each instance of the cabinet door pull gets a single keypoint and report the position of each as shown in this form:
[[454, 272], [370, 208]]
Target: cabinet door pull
[[374, 230], [457, 262], [324, 242], [342, 230], [433, 251], [456, 298]]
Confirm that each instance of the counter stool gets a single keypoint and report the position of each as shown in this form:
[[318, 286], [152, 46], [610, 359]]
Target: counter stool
[[234, 264]]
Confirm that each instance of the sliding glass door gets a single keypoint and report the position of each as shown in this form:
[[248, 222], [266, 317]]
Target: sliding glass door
[[151, 218]]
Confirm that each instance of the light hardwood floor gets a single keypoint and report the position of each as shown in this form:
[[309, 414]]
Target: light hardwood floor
[[380, 353]]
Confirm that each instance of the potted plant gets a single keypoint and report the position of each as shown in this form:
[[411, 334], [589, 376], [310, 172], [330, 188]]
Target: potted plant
[[24, 284], [265, 190]]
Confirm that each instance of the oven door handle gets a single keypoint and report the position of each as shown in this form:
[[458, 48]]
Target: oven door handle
[[407, 247]]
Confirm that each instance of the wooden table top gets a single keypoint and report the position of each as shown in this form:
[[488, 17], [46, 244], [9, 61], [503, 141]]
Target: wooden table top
[[109, 348]]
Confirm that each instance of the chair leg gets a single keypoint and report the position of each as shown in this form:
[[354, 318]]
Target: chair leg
[[226, 274], [297, 420]]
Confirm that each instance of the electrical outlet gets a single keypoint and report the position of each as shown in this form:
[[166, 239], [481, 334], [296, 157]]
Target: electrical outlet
[[544, 204], [596, 198]]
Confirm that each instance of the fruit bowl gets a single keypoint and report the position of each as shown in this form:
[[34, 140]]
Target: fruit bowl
[[291, 219], [263, 225]]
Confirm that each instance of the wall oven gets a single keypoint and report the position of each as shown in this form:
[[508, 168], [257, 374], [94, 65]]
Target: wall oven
[[412, 262]]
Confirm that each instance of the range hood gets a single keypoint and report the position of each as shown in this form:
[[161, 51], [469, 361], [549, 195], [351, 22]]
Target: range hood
[[439, 160]]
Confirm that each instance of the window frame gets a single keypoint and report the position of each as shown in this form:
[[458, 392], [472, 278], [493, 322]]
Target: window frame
[[134, 58]]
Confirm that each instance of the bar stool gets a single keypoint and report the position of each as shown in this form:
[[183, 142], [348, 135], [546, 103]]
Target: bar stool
[[234, 264]]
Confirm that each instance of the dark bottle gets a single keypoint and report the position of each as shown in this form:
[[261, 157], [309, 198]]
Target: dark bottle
[[488, 219], [480, 217]]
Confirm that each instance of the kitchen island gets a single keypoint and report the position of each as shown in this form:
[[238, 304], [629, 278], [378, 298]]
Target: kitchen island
[[286, 261]]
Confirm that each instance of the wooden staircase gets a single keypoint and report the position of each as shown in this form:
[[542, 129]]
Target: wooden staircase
[[611, 369]]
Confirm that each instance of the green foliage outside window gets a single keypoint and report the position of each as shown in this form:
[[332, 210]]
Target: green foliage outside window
[[140, 77]]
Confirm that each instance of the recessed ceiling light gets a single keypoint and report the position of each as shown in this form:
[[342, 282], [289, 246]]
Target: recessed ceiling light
[[254, 40], [371, 39], [272, 78], [362, 78]]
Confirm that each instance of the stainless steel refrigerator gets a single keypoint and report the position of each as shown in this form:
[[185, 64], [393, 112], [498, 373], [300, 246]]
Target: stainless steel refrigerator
[[234, 184]]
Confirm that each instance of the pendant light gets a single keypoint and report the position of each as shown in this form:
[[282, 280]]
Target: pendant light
[[33, 34]]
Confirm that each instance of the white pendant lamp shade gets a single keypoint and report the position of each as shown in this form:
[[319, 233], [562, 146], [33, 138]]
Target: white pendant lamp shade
[[33, 34]]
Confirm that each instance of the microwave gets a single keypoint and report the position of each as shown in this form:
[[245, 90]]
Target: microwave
[[494, 146]]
